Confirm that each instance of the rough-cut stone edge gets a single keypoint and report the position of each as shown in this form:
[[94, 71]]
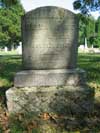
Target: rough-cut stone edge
[[58, 77], [83, 97]]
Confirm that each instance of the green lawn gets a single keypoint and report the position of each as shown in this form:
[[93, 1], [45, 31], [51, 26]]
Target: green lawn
[[9, 65], [91, 64]]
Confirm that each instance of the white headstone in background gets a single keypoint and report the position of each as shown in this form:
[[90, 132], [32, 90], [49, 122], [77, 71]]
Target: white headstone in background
[[86, 43], [81, 47], [19, 48], [5, 49]]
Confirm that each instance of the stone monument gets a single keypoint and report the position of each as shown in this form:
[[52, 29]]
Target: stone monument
[[50, 80]]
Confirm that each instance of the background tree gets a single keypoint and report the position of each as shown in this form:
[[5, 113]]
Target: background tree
[[10, 25], [91, 34], [83, 20], [86, 6], [87, 29], [98, 31], [91, 28], [8, 3]]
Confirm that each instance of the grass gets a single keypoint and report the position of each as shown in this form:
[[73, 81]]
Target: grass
[[91, 64], [10, 64]]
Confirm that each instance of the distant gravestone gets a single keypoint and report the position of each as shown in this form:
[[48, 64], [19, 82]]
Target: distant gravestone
[[86, 47], [19, 48], [50, 81], [81, 47], [5, 49]]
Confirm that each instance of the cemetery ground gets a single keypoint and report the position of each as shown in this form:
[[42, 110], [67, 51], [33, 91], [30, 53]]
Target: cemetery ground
[[49, 123]]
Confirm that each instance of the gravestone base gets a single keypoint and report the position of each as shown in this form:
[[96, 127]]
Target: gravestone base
[[63, 100], [54, 77]]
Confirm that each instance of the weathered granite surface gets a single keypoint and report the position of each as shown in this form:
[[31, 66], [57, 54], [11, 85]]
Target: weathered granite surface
[[55, 77], [49, 37], [65, 100]]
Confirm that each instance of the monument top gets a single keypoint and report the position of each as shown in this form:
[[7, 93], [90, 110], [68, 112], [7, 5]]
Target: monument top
[[49, 7], [49, 38]]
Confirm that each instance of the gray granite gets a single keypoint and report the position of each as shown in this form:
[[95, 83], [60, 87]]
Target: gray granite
[[55, 77], [50, 37], [65, 100]]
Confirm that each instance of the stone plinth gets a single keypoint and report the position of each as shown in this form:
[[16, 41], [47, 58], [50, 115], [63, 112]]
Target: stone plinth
[[55, 77], [63, 100]]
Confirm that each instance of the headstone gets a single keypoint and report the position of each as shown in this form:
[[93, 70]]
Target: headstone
[[92, 46], [49, 46], [5, 49], [86, 47], [50, 80], [52, 34], [19, 48], [81, 47]]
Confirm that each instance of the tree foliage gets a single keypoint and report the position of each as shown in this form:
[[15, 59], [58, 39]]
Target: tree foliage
[[8, 3], [86, 6], [89, 28], [10, 25], [98, 30]]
